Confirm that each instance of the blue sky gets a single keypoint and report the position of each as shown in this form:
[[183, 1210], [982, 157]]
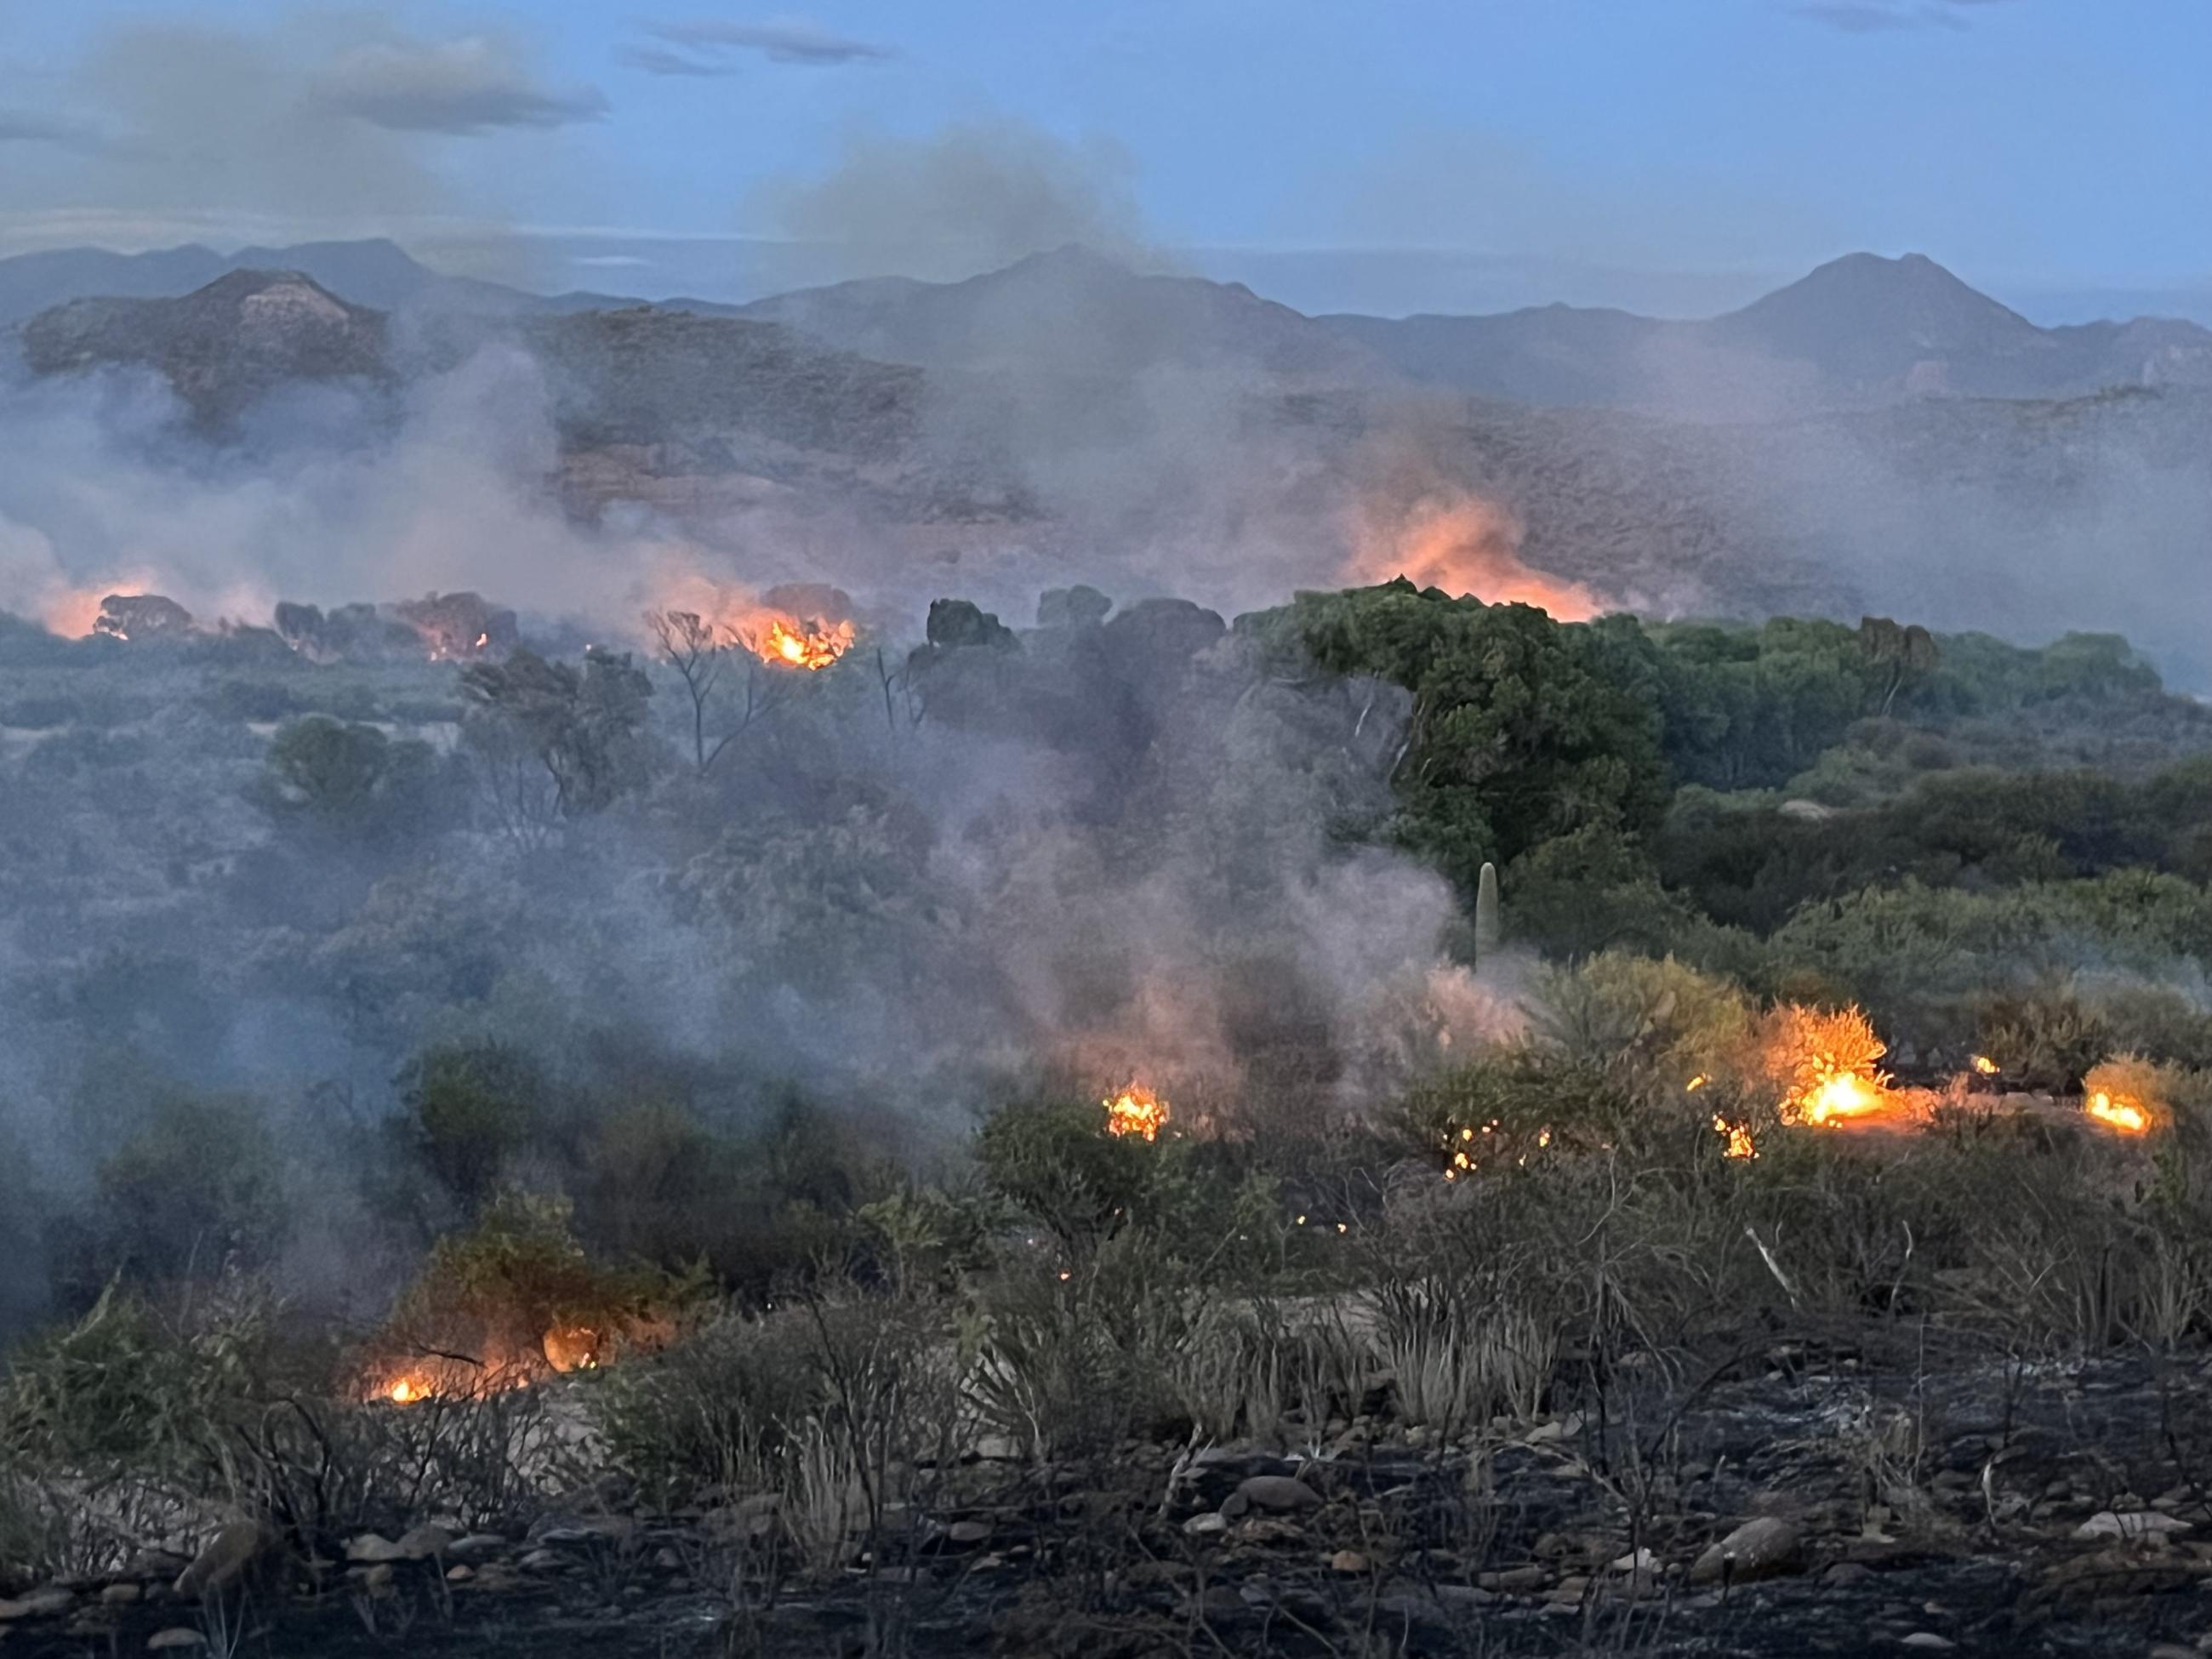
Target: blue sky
[[1677, 154]]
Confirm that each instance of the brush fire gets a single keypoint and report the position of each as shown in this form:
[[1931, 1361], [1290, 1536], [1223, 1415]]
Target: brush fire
[[810, 643], [1136, 1110]]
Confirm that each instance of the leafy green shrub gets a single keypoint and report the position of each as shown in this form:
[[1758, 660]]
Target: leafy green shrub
[[1057, 1164], [496, 1291]]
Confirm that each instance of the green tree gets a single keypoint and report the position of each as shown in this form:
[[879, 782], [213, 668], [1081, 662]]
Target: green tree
[[577, 730], [347, 780], [1523, 728]]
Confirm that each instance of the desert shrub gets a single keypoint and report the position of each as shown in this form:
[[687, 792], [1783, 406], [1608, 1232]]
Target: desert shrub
[[498, 1288], [716, 1406], [1507, 1102], [1654, 1018], [2158, 1020], [2042, 1039], [1070, 1362], [1056, 1163]]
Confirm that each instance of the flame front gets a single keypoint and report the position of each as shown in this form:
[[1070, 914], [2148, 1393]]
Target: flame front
[[1737, 1135], [1136, 1111], [1985, 1066], [811, 644], [2119, 1112]]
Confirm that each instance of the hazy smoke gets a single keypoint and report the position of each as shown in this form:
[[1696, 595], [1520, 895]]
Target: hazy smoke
[[975, 196]]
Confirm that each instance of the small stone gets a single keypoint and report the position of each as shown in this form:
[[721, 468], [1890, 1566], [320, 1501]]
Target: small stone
[[1212, 1524], [540, 1560], [1929, 1640], [1640, 1560], [2170, 1650], [118, 1596], [1347, 1561], [376, 1576], [177, 1637], [1515, 1581], [39, 1604], [967, 1534], [1758, 1548], [998, 1449], [371, 1548], [2131, 1523], [1280, 1492], [476, 1546], [423, 1543], [459, 1573], [1845, 1573]]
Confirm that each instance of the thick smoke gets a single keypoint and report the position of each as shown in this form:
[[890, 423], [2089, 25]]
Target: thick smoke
[[902, 894]]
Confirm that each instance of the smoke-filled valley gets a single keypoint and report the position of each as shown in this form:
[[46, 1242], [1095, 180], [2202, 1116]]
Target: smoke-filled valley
[[1069, 956]]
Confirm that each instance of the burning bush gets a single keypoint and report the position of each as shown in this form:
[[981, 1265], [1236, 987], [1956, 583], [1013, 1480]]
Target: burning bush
[[510, 1299], [2127, 1094], [1821, 1064]]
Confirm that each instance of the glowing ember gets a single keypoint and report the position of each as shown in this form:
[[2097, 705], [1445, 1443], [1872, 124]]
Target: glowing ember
[[1136, 1111], [405, 1392], [1695, 1084], [1737, 1136], [1985, 1066], [2118, 1112], [813, 643]]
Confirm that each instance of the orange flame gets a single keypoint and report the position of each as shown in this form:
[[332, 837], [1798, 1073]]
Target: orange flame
[[2119, 1112], [813, 643], [1136, 1111], [1985, 1066], [1462, 544], [1737, 1135]]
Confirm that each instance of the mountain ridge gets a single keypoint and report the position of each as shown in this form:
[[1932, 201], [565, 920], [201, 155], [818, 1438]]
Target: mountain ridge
[[1858, 331]]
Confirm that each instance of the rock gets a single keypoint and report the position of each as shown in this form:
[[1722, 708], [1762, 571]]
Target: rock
[[1845, 1573], [1760, 1548], [459, 1573], [39, 1604], [967, 1534], [1929, 1640], [371, 1549], [1546, 1434], [476, 1546], [540, 1560], [1211, 1524], [1641, 1561], [1235, 1506], [1278, 1492], [177, 1637], [998, 1449], [121, 1594], [376, 1576], [423, 1543], [1347, 1561], [1515, 1581], [2131, 1523]]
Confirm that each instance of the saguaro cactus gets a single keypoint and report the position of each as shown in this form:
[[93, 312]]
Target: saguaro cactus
[[1487, 935]]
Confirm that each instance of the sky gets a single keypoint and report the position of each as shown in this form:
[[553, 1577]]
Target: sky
[[1674, 155]]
